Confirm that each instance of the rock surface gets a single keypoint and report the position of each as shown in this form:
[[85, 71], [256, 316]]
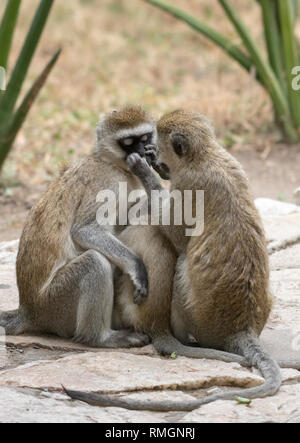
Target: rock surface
[[297, 196], [282, 231], [273, 208], [285, 408], [27, 406], [32, 368], [119, 372]]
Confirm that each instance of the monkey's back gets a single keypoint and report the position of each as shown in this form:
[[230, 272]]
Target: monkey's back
[[45, 241], [228, 264], [46, 244]]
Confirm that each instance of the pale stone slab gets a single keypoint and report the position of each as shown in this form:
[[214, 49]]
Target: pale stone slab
[[282, 344], [274, 208], [285, 316], [284, 407], [8, 252], [9, 298], [59, 344], [286, 258], [282, 231], [297, 196], [3, 357], [119, 372], [285, 285], [281, 335], [18, 406], [140, 370]]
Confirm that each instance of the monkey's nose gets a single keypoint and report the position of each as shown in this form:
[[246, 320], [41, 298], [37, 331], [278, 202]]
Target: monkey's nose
[[141, 150]]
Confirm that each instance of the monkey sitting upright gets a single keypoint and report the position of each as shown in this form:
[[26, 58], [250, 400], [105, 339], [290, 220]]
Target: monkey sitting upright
[[221, 291], [65, 260]]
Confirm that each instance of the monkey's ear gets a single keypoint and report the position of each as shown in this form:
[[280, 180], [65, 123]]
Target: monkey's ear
[[180, 143]]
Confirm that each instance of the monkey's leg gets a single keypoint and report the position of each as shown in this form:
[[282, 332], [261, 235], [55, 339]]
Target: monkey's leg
[[180, 325], [93, 236], [153, 316], [79, 303]]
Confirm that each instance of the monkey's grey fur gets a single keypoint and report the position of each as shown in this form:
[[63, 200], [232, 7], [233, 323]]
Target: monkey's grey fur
[[66, 259]]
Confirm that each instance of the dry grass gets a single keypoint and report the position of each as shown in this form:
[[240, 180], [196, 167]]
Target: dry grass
[[125, 51]]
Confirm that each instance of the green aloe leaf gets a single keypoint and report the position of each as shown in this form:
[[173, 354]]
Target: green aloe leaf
[[273, 40], [223, 42], [21, 114], [295, 10], [265, 71], [7, 29], [18, 76], [290, 53]]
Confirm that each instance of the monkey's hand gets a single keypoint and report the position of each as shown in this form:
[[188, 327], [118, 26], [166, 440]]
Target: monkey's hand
[[151, 154], [140, 281], [138, 165], [152, 159]]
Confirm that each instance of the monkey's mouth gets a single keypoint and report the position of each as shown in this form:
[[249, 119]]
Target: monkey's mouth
[[163, 170]]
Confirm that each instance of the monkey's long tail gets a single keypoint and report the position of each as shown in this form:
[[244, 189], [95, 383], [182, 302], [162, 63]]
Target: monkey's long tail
[[168, 344], [243, 343]]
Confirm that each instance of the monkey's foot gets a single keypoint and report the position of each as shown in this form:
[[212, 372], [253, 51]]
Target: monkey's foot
[[126, 339], [13, 322]]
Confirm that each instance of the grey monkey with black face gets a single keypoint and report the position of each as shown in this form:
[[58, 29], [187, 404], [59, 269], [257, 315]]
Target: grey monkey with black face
[[66, 259]]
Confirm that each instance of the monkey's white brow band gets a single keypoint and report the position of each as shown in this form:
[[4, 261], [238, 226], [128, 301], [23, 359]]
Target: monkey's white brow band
[[139, 130]]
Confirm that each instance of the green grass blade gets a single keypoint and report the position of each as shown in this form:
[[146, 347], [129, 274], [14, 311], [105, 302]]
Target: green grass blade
[[18, 76], [265, 71], [273, 41], [241, 57], [291, 55], [295, 10], [7, 28], [21, 114]]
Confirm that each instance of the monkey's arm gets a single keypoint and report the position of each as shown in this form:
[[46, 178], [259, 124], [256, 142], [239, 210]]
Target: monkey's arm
[[142, 170], [101, 240]]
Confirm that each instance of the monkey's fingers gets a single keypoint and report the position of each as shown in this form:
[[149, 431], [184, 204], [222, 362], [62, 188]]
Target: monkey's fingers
[[151, 154], [151, 158], [140, 295], [137, 164], [162, 170]]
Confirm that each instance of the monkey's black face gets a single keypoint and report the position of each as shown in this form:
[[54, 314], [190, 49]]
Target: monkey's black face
[[136, 144]]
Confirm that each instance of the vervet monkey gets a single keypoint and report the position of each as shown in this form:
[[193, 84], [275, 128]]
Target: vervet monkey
[[66, 259], [221, 291]]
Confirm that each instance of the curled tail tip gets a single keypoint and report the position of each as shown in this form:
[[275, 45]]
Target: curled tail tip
[[74, 395]]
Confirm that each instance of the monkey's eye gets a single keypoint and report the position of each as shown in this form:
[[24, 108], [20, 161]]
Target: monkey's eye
[[128, 141], [145, 137]]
